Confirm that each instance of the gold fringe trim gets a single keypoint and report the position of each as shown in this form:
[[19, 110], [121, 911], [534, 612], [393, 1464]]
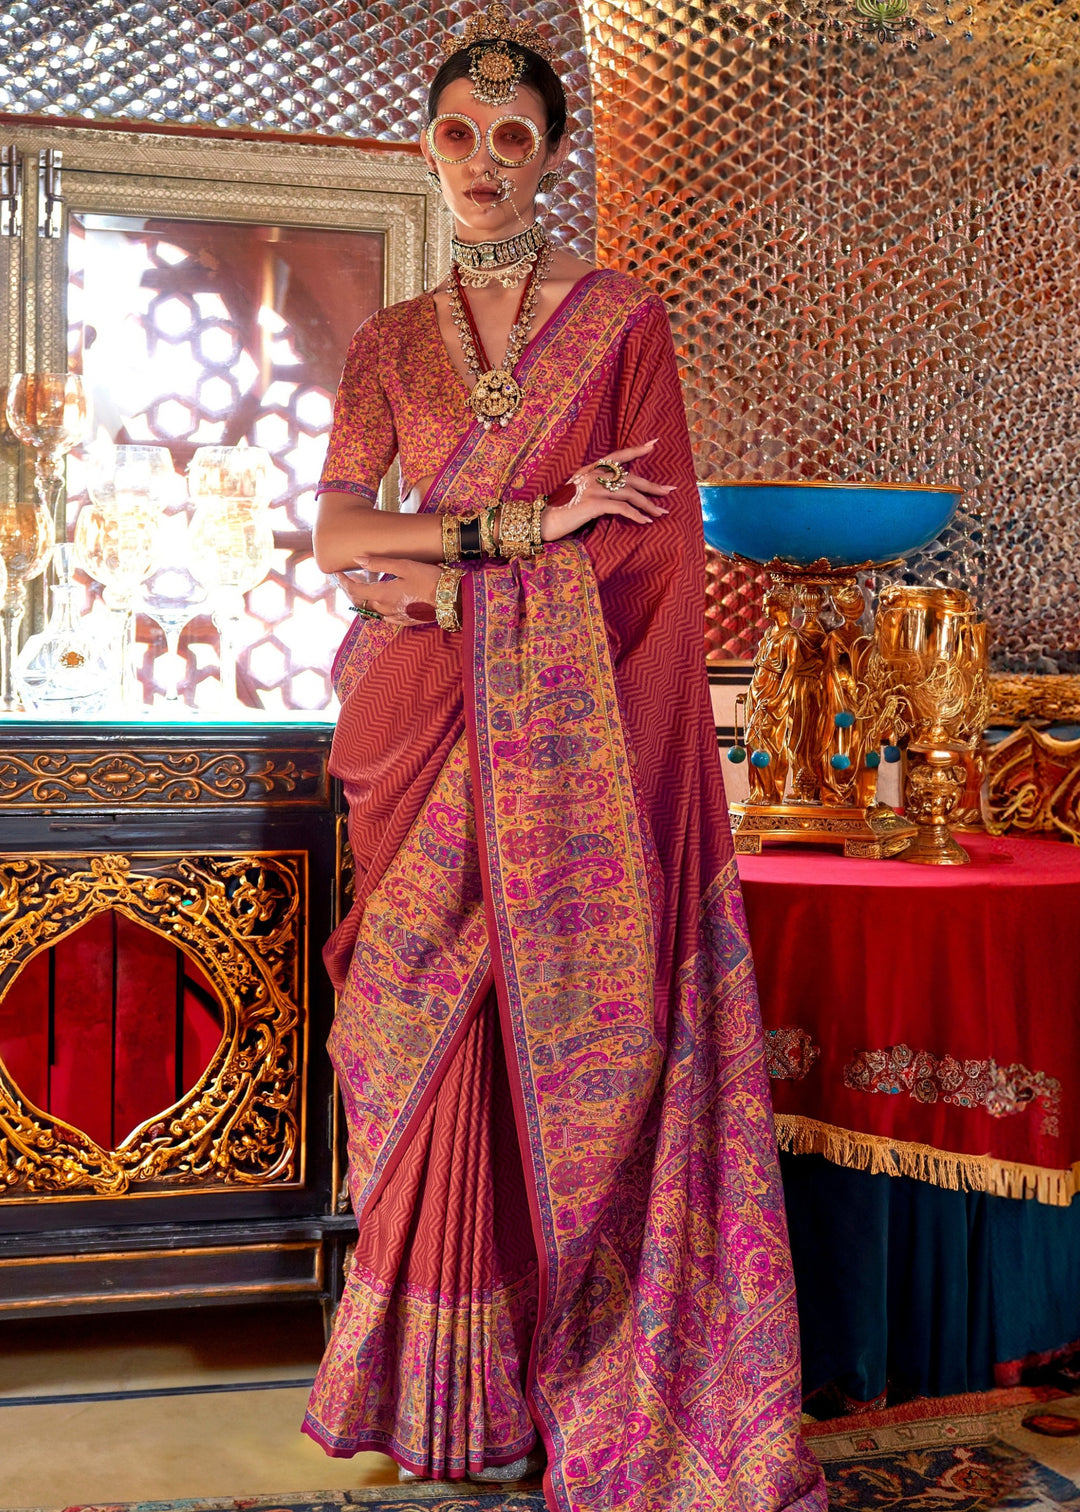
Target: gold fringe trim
[[899, 1157]]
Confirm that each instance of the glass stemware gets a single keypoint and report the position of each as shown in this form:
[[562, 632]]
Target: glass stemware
[[26, 535], [232, 538], [171, 597], [50, 412], [116, 535]]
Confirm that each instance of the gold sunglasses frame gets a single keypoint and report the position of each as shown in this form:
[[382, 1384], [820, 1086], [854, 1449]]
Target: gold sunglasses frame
[[479, 136]]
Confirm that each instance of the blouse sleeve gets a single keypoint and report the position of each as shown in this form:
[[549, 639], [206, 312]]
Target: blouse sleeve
[[363, 441]]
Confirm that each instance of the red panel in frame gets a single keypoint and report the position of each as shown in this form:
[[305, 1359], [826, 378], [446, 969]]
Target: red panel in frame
[[109, 1027]]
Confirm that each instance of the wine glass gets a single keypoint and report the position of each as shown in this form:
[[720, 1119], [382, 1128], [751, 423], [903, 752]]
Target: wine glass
[[26, 536], [171, 596], [50, 412], [232, 538], [116, 535]]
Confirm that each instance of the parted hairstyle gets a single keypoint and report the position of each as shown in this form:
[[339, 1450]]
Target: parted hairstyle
[[536, 73]]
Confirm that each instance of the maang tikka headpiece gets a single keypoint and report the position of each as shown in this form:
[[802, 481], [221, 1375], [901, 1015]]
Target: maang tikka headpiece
[[494, 70]]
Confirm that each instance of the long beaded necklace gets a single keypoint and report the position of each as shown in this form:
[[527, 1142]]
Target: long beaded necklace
[[496, 396]]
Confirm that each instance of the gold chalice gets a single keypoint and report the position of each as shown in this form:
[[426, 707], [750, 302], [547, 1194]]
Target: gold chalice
[[50, 412], [26, 539], [931, 656]]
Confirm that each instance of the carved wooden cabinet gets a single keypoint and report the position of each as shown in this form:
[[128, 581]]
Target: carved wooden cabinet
[[168, 1125]]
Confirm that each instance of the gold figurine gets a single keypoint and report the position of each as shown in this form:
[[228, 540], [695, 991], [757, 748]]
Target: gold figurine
[[812, 726]]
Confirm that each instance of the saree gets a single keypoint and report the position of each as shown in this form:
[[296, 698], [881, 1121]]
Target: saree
[[561, 1152]]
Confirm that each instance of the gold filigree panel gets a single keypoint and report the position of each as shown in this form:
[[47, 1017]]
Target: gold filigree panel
[[243, 920], [1033, 784], [78, 776]]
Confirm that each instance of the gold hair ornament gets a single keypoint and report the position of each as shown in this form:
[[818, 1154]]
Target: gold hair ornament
[[497, 25]]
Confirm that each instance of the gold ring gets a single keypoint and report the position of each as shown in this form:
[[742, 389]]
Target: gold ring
[[610, 475]]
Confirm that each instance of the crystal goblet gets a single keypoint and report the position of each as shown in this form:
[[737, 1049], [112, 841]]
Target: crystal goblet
[[50, 412], [232, 538], [26, 535], [116, 537], [232, 547]]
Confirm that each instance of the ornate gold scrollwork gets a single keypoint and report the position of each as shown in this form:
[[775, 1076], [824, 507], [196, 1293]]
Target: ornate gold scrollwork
[[161, 778], [1015, 699], [241, 918], [1033, 784]]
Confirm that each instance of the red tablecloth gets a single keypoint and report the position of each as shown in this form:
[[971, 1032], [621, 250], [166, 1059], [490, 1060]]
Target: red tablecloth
[[926, 1020]]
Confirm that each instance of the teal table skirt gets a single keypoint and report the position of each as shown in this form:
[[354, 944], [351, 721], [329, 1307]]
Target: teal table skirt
[[917, 1290]]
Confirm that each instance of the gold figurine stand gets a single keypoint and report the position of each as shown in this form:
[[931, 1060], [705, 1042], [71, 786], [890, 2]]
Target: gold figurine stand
[[874, 834], [809, 781]]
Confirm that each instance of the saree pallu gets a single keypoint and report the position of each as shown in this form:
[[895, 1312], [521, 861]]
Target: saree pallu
[[561, 1150]]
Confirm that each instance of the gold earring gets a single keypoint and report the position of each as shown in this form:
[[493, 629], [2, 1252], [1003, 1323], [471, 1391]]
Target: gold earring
[[550, 181], [433, 179]]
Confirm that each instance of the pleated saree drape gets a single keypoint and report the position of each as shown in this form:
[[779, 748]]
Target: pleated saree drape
[[548, 1044]]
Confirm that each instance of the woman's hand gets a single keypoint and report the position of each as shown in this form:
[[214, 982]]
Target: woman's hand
[[407, 598], [632, 499]]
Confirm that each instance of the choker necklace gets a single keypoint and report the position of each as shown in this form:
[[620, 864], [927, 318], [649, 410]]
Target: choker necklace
[[479, 257], [496, 396]]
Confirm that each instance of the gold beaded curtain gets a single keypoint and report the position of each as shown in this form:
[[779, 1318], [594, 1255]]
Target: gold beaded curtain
[[864, 215]]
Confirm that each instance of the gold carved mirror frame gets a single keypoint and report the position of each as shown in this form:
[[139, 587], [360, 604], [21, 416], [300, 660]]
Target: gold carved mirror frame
[[243, 920]]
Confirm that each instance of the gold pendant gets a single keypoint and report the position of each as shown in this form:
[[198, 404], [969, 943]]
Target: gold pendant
[[496, 398], [509, 276]]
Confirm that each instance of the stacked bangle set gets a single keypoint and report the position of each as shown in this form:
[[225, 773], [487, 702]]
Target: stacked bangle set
[[508, 530]]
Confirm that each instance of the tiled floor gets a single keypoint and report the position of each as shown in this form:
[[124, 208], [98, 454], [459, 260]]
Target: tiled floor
[[63, 1446], [175, 1406]]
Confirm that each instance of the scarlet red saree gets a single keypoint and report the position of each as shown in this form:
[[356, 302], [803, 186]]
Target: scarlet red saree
[[561, 1150]]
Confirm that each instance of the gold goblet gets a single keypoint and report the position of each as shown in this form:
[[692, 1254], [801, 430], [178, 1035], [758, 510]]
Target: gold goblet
[[26, 535], [232, 539], [932, 650], [49, 411], [116, 538]]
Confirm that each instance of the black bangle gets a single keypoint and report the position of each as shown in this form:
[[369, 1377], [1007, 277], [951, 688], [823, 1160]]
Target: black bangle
[[471, 550]]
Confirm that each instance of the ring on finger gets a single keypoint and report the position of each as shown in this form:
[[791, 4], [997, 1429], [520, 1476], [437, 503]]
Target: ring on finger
[[610, 475]]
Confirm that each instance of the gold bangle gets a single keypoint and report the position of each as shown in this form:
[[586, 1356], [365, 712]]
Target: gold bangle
[[451, 538], [446, 599], [515, 529], [538, 507], [487, 530]]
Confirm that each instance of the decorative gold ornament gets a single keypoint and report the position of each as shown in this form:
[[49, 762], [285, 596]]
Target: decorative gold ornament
[[496, 74], [497, 25], [76, 776], [446, 599], [242, 919], [931, 657], [509, 276], [1015, 699], [496, 397], [1033, 784], [809, 776]]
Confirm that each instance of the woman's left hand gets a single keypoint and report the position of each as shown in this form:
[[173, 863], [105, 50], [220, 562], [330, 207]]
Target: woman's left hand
[[407, 598]]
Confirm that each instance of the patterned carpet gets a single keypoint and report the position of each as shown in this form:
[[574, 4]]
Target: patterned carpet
[[958, 1454]]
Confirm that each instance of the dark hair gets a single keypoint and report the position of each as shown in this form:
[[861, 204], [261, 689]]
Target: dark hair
[[536, 73]]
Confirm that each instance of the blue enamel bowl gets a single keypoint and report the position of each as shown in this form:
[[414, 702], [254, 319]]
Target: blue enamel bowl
[[846, 524]]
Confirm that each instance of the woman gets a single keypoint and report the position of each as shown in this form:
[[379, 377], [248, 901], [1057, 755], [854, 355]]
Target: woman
[[571, 1233]]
